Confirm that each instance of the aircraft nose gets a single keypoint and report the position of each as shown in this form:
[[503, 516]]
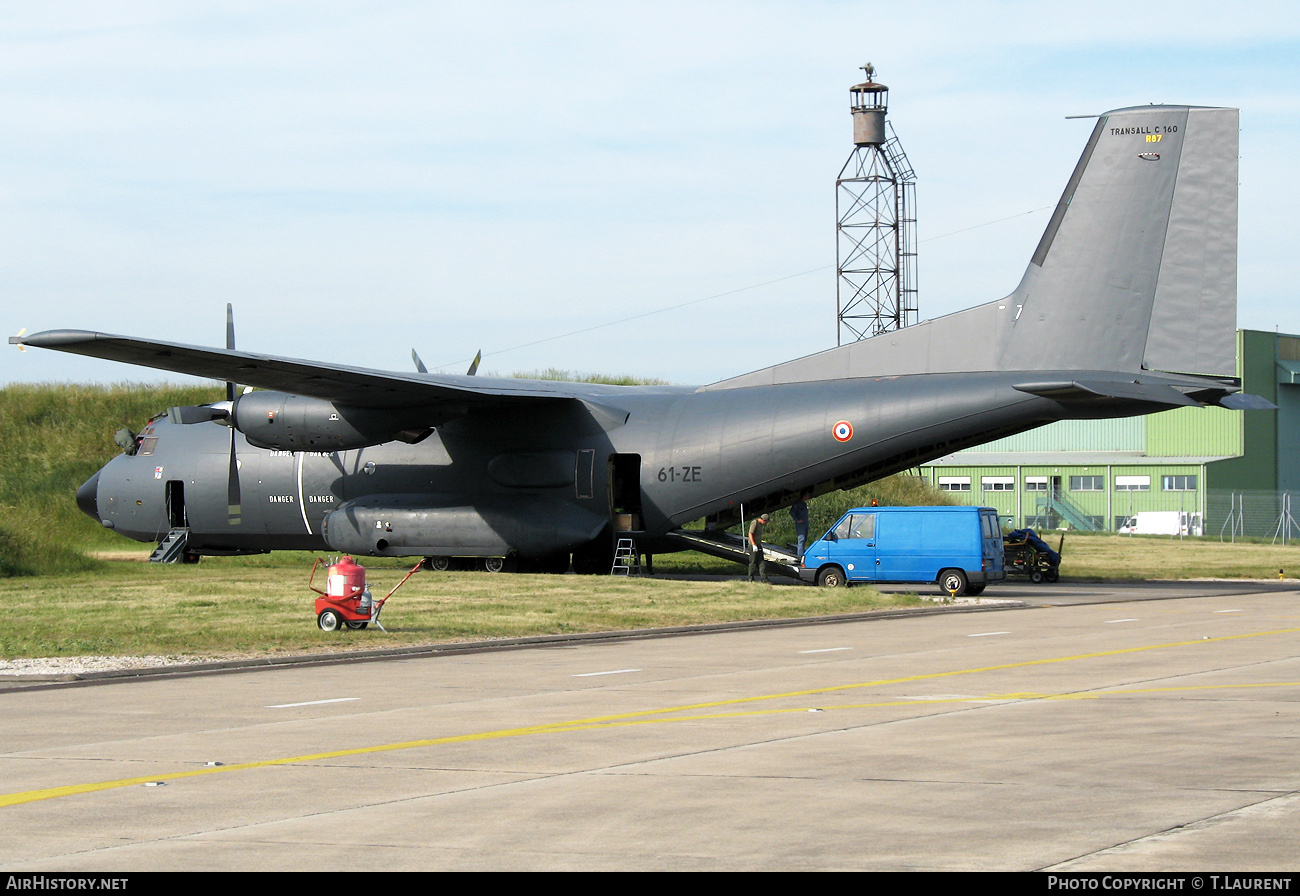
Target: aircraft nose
[[87, 497]]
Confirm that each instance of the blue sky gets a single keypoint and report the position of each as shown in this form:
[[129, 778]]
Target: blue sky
[[360, 179]]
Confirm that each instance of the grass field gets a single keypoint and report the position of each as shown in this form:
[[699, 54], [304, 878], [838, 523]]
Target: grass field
[[224, 608], [260, 606], [1124, 557]]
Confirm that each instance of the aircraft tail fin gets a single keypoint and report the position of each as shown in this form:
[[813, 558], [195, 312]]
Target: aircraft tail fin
[[1136, 270]]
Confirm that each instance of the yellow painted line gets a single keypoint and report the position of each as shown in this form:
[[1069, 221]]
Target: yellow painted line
[[649, 716]]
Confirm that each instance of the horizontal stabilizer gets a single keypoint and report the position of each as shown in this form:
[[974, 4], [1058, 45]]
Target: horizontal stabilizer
[[1093, 390], [1240, 401], [1184, 392]]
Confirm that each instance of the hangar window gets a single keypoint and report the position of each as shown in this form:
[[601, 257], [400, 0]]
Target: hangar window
[[1087, 483], [998, 483], [1132, 483], [1178, 483], [954, 483], [1035, 483]]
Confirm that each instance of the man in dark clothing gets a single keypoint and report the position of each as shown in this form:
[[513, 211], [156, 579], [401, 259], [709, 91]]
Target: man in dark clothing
[[756, 558]]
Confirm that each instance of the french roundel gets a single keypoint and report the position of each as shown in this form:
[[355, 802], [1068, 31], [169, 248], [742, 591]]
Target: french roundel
[[843, 431]]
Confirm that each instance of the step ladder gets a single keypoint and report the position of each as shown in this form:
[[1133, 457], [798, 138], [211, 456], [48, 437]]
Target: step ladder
[[626, 558], [172, 548]]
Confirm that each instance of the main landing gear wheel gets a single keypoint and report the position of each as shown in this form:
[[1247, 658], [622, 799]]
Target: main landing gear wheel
[[329, 621], [594, 558], [499, 564], [437, 564]]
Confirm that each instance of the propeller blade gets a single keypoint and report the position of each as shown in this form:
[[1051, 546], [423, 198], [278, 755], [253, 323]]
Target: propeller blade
[[230, 346], [233, 508], [419, 365], [18, 340], [473, 368]]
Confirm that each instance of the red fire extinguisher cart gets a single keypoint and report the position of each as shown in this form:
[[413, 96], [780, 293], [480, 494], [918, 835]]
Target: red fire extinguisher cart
[[346, 601]]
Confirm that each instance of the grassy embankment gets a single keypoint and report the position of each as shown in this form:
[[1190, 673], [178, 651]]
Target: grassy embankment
[[52, 439]]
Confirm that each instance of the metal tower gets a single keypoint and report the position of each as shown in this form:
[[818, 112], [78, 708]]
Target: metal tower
[[875, 202]]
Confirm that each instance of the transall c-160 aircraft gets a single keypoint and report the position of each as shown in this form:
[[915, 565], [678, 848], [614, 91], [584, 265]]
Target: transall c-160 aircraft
[[1128, 306]]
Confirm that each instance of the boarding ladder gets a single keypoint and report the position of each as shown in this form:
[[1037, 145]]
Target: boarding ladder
[[172, 548], [626, 559]]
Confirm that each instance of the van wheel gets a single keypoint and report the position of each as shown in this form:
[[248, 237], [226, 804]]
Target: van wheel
[[953, 581], [832, 577]]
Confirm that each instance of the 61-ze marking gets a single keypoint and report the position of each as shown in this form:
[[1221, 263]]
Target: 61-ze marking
[[680, 474]]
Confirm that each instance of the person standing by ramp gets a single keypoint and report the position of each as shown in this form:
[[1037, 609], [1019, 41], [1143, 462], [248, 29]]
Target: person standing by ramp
[[756, 558], [799, 513]]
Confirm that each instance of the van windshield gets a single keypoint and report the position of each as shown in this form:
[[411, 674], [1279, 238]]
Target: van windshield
[[857, 525]]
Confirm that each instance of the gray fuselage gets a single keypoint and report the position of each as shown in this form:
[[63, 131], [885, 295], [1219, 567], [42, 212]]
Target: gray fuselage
[[541, 478]]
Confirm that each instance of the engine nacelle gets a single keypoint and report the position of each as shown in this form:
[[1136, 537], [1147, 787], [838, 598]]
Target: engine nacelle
[[408, 525], [286, 422]]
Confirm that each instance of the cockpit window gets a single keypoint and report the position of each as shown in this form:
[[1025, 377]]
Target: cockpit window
[[146, 445]]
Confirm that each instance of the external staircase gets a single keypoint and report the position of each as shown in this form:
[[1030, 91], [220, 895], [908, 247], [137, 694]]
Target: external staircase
[[172, 548]]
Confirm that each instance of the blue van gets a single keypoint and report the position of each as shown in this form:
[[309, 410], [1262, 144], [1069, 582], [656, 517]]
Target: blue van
[[959, 548]]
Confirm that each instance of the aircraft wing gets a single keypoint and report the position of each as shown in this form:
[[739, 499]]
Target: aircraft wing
[[358, 386]]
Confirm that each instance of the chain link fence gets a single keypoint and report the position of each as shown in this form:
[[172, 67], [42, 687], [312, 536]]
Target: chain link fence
[[1232, 515]]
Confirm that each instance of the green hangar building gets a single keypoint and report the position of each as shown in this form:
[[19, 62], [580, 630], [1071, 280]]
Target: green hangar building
[[1231, 472]]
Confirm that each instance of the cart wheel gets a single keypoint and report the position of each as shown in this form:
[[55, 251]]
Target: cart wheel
[[953, 581], [357, 625], [329, 621], [832, 577], [1036, 577], [1052, 575]]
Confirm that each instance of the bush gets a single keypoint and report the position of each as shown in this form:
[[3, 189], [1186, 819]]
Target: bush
[[53, 438], [899, 490]]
